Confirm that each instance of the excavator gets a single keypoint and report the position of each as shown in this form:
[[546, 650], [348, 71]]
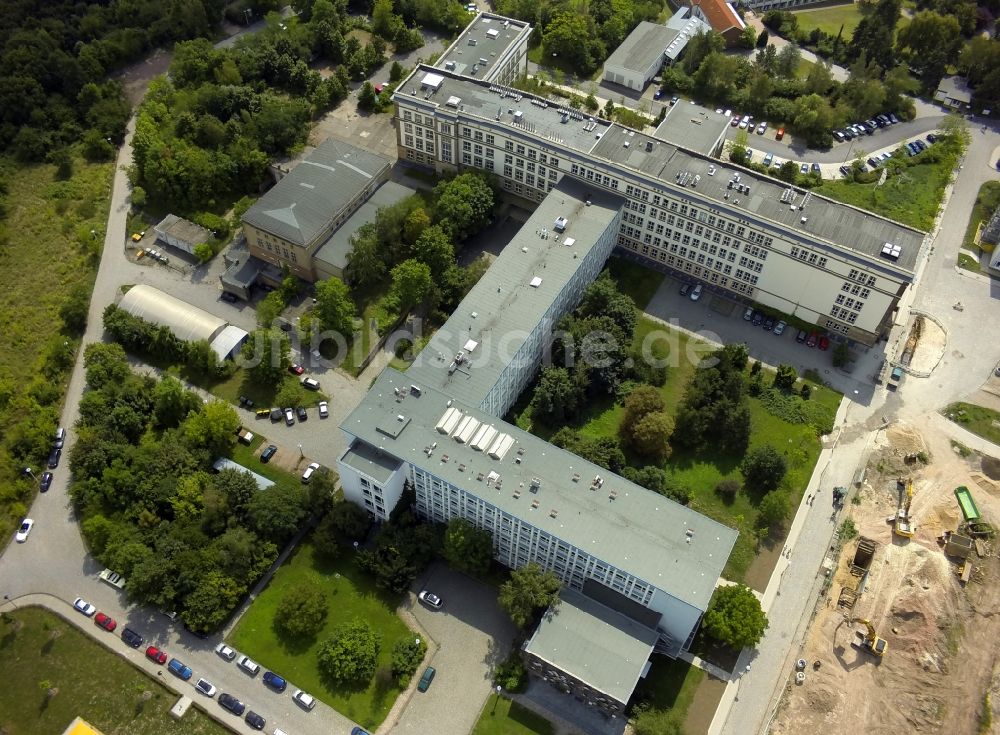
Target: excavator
[[903, 525], [870, 641]]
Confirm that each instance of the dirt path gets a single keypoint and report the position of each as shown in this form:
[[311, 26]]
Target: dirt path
[[936, 670]]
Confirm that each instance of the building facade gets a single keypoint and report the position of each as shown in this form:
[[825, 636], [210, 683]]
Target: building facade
[[491, 48], [745, 234]]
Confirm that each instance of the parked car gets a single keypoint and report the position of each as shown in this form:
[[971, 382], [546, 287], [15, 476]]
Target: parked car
[[274, 681], [824, 343], [758, 319], [22, 533], [804, 168], [305, 701], [289, 417], [685, 287], [839, 136], [769, 324], [61, 432], [780, 134], [816, 169], [426, 679], [893, 119], [248, 665], [768, 158], [324, 410], [229, 298], [735, 121], [225, 652], [81, 605], [179, 669], [296, 369], [131, 637], [310, 383], [873, 163], [301, 413], [276, 414], [262, 412], [696, 292], [156, 655], [811, 340], [358, 731], [310, 470], [801, 336], [254, 720], [932, 139], [430, 599], [105, 621], [762, 128], [779, 328], [245, 402], [231, 703], [266, 455], [54, 458], [748, 314], [845, 170], [205, 687], [113, 578]]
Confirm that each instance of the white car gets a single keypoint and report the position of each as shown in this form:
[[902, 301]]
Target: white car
[[205, 687], [430, 599], [696, 292], [310, 383], [324, 410], [81, 605], [248, 665], [22, 533], [307, 475], [225, 651], [305, 701]]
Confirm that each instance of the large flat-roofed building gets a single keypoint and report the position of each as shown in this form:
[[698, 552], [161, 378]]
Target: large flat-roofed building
[[287, 225], [540, 503], [591, 651], [491, 48], [491, 347], [745, 234], [694, 127], [640, 56]]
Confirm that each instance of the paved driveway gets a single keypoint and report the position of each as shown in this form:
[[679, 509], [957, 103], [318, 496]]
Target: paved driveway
[[473, 635]]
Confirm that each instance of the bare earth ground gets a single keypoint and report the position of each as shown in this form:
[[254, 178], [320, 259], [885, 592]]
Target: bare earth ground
[[941, 656], [931, 346]]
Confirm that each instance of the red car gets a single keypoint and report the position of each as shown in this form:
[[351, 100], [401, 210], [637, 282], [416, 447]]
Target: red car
[[296, 369], [105, 621], [824, 343], [155, 654], [811, 342]]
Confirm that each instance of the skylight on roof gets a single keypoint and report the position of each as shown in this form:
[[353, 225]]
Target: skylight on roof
[[535, 282]]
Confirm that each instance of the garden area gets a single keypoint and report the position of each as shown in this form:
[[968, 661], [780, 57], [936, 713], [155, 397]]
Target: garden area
[[502, 716], [831, 19], [981, 421], [53, 672], [350, 595], [987, 202], [775, 415]]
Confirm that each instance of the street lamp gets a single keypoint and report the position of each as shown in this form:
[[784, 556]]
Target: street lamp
[[27, 471], [495, 701], [355, 546], [301, 455]]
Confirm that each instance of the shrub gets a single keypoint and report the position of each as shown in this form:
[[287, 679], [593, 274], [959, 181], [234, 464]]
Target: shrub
[[728, 489], [511, 674], [848, 530], [406, 657]]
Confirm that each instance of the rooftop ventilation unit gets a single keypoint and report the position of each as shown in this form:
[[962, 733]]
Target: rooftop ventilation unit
[[493, 33], [535, 484], [415, 390], [454, 101], [449, 421], [501, 446], [483, 438], [535, 282], [553, 513], [449, 65], [891, 251], [466, 429], [561, 224], [473, 41], [518, 116]]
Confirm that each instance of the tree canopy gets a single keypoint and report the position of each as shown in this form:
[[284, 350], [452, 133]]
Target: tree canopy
[[735, 616], [351, 653], [763, 468], [528, 591], [467, 548]]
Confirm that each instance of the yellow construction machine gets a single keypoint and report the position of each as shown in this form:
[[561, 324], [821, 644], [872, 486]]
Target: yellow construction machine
[[870, 640], [903, 525]]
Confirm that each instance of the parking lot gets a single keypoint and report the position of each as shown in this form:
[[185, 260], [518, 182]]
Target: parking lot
[[719, 319]]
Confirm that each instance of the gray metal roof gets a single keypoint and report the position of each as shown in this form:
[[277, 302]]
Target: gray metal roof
[[183, 230], [594, 644], [370, 461], [692, 126], [301, 206], [843, 228], [338, 246], [652, 537], [224, 463], [490, 46], [644, 45], [500, 310]]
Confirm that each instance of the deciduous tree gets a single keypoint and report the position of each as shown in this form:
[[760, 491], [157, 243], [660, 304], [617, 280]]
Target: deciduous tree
[[528, 591], [302, 610], [763, 468], [334, 306], [351, 653], [735, 616], [467, 548]]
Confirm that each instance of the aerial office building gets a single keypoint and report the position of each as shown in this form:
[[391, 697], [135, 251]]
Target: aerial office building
[[752, 237]]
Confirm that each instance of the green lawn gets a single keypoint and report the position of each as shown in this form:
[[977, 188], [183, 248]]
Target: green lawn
[[241, 384], [41, 651], [986, 204], [635, 280], [830, 19], [968, 262], [670, 684], [981, 421], [702, 471], [352, 595], [911, 196], [50, 243], [505, 717]]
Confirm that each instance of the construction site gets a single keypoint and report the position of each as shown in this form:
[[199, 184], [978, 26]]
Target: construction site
[[903, 636]]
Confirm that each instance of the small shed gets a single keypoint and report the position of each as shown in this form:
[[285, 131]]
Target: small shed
[[181, 234]]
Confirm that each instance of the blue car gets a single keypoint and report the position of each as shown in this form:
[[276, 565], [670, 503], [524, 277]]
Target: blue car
[[274, 681], [179, 669]]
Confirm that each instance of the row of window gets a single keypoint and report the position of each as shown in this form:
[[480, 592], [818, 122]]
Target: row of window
[[844, 315], [855, 290], [712, 272]]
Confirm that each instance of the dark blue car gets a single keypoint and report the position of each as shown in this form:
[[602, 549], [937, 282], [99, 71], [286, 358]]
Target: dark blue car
[[274, 681], [179, 669]]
